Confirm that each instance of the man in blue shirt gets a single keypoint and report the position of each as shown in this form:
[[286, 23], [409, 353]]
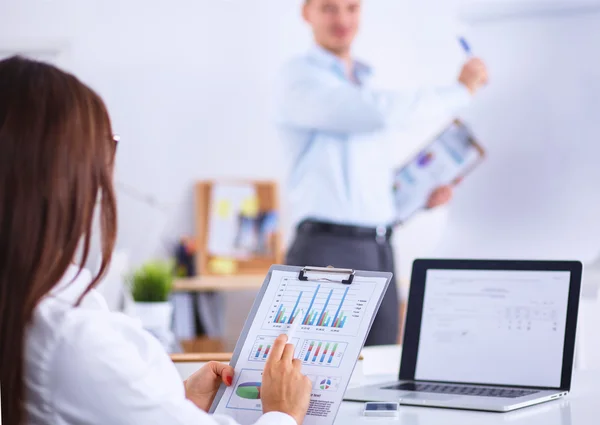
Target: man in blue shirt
[[335, 125]]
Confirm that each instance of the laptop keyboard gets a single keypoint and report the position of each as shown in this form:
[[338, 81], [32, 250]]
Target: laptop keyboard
[[461, 390]]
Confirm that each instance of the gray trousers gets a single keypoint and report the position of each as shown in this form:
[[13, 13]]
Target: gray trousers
[[322, 250]]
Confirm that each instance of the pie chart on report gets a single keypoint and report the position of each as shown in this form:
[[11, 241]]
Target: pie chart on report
[[325, 384], [249, 390]]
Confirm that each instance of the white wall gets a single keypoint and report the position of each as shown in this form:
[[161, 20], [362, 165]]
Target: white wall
[[189, 85], [537, 196]]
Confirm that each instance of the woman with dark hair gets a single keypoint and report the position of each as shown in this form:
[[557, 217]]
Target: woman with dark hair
[[64, 357]]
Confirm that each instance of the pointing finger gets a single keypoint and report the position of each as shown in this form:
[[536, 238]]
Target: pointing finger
[[277, 349]]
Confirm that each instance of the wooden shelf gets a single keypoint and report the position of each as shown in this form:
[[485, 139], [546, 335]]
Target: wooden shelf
[[267, 195], [201, 357], [213, 283]]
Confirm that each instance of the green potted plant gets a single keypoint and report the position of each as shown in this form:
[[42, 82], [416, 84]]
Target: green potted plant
[[151, 286]]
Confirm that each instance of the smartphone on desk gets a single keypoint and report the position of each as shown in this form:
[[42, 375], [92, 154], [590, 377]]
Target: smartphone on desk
[[381, 409], [446, 160]]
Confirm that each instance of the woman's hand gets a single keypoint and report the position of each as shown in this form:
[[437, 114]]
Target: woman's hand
[[440, 196], [201, 388], [284, 388]]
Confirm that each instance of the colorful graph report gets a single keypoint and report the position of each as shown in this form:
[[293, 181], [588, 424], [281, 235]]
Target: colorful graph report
[[246, 393], [262, 347], [322, 353], [325, 315], [248, 390], [325, 383], [338, 308]]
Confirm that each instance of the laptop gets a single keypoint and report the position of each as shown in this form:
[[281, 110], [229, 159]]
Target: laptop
[[490, 335]]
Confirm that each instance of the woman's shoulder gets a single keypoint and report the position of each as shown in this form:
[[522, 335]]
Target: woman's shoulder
[[76, 317], [72, 314], [77, 355], [61, 333]]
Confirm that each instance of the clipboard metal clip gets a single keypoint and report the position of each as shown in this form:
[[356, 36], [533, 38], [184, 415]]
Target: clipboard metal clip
[[326, 270]]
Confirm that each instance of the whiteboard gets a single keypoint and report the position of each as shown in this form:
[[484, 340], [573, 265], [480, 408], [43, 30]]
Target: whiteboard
[[480, 11], [538, 194]]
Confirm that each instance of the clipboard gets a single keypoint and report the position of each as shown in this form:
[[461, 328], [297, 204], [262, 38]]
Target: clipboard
[[457, 147], [264, 314]]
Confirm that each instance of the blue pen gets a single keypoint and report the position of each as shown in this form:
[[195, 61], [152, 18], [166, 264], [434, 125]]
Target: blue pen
[[465, 45]]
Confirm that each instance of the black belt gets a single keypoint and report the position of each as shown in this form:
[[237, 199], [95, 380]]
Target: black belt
[[311, 227]]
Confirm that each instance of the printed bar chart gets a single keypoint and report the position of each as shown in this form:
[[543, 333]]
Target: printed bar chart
[[281, 318], [333, 306], [322, 353], [262, 348], [292, 317], [260, 354], [324, 315]]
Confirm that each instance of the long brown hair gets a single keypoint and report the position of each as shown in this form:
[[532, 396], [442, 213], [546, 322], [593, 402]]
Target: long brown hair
[[56, 161]]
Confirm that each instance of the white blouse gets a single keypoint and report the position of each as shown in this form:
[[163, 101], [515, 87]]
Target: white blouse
[[87, 365]]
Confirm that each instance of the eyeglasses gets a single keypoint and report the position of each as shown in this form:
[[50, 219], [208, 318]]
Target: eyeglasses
[[116, 139]]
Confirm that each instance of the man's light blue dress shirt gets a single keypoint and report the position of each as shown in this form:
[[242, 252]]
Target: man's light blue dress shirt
[[335, 133]]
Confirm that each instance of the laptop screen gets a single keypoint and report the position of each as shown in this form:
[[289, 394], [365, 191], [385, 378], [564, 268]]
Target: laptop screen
[[493, 327]]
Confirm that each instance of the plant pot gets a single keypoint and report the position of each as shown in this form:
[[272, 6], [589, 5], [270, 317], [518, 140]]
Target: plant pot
[[154, 316]]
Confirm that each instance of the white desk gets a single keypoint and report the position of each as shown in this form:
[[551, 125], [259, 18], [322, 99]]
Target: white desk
[[581, 407]]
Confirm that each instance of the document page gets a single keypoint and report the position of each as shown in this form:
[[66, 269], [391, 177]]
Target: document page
[[335, 320], [497, 327], [447, 158]]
